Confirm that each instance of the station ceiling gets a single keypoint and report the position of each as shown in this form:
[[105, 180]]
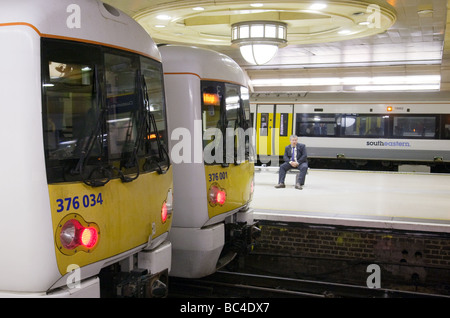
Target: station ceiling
[[332, 45]]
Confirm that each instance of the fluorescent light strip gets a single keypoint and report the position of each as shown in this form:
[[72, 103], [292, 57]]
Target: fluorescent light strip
[[326, 81], [373, 88]]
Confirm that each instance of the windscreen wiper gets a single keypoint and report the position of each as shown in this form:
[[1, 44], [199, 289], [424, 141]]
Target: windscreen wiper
[[88, 145], [150, 126]]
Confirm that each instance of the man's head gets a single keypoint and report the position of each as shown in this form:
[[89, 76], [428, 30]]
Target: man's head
[[294, 140]]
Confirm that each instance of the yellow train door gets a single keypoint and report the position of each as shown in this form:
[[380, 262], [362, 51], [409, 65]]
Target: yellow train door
[[264, 125], [274, 126], [282, 128]]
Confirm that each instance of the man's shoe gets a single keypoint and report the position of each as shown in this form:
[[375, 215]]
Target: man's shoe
[[280, 185], [298, 186]]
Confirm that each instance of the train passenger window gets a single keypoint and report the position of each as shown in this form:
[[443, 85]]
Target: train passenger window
[[316, 125], [415, 126], [263, 131], [446, 125], [363, 125], [284, 118]]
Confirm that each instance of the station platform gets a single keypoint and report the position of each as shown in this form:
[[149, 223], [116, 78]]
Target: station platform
[[382, 200]]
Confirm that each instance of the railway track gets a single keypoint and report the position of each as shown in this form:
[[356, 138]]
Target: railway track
[[231, 284]]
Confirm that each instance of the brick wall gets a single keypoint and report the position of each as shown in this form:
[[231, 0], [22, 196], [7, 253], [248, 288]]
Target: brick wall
[[402, 255]]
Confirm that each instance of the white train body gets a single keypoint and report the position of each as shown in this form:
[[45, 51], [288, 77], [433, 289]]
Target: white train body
[[393, 129], [32, 263], [199, 227]]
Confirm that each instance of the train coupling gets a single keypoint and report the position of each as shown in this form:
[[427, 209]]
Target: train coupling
[[241, 237], [135, 284]]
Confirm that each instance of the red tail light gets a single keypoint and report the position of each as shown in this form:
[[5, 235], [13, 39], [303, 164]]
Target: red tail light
[[217, 195], [73, 234], [167, 207], [221, 197], [164, 212], [89, 237]]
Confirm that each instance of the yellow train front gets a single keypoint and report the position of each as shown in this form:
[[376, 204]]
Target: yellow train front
[[211, 151], [87, 189]]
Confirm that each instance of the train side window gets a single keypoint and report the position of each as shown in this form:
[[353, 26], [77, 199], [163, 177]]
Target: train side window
[[363, 125], [414, 127], [446, 125], [316, 125]]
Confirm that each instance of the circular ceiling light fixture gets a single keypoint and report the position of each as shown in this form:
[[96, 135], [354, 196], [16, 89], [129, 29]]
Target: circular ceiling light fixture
[[259, 41]]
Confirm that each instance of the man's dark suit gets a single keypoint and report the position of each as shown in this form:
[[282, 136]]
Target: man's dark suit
[[302, 159]]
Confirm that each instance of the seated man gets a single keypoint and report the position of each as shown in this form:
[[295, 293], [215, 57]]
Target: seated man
[[294, 158]]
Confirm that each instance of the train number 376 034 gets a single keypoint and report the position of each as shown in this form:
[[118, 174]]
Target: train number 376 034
[[86, 201]]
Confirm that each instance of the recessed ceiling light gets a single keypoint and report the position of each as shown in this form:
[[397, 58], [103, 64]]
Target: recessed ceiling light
[[163, 17], [160, 26], [345, 32], [423, 12], [257, 5], [317, 6], [198, 9]]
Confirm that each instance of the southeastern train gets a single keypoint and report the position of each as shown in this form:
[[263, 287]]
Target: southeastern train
[[377, 131], [87, 184], [211, 152]]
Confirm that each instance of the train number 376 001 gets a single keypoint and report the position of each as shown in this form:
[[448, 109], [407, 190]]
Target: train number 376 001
[[86, 201]]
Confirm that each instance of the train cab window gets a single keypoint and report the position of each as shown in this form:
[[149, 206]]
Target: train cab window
[[122, 103], [245, 97], [232, 106], [414, 127], [224, 110], [316, 125], [153, 84], [70, 105], [250, 151], [233, 120], [95, 123]]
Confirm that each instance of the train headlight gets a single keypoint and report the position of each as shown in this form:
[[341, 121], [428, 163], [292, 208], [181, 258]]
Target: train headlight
[[75, 234], [217, 195]]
